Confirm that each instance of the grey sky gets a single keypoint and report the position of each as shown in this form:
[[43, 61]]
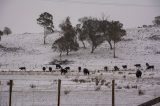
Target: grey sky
[[21, 15]]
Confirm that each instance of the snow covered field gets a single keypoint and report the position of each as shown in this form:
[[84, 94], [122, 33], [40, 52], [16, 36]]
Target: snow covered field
[[28, 50], [139, 46]]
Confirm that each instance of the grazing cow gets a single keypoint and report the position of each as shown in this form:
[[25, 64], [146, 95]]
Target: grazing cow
[[58, 66], [124, 66], [138, 74], [50, 69], [63, 71], [22, 68], [150, 67], [137, 65], [79, 69], [67, 68], [105, 68], [86, 71], [116, 68], [147, 65], [44, 69]]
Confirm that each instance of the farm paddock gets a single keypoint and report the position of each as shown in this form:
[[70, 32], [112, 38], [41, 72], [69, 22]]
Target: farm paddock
[[40, 88]]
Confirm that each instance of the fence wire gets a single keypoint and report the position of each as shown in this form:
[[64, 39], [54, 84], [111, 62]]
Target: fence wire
[[44, 93]]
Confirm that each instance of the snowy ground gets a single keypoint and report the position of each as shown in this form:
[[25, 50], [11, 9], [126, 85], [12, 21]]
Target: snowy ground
[[28, 50], [139, 46], [76, 93]]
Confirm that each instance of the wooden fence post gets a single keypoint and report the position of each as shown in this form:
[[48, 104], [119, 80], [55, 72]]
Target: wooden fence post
[[113, 93], [10, 92], [59, 92]]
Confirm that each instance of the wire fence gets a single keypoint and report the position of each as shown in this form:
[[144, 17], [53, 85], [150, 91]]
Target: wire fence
[[45, 93]]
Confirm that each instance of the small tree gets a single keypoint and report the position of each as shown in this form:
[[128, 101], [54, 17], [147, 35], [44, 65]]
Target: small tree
[[116, 32], [7, 31], [1, 33], [68, 41], [46, 21], [156, 21]]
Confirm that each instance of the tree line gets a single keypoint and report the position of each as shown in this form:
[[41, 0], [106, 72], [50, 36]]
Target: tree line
[[94, 31]]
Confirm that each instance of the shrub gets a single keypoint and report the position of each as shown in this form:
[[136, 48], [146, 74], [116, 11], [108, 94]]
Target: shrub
[[67, 91], [140, 92]]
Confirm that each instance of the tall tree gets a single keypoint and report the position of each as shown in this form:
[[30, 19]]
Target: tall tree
[[68, 42], [46, 21], [1, 33], [91, 26], [7, 31], [116, 33], [104, 29], [82, 36]]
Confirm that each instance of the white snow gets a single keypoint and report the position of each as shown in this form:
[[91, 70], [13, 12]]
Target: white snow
[[28, 50]]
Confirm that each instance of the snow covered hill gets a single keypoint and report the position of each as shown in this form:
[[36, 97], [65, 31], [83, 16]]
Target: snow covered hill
[[141, 45]]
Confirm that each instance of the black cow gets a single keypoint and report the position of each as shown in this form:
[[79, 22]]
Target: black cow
[[86, 71], [124, 66], [67, 68], [116, 68], [147, 65], [105, 68], [50, 69], [150, 67], [137, 65], [79, 69], [44, 69], [22, 68], [58, 66], [138, 74], [63, 71]]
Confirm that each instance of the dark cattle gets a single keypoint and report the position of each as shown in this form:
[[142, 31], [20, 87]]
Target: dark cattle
[[50, 69], [138, 74], [79, 69], [44, 68], [67, 68], [63, 71], [147, 65], [124, 66], [116, 68], [22, 68], [137, 65], [105, 68], [86, 71], [58, 66], [150, 67]]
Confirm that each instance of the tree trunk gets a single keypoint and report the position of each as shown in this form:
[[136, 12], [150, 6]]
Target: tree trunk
[[60, 56], [110, 44], [67, 52], [92, 49], [84, 46], [114, 50], [44, 38]]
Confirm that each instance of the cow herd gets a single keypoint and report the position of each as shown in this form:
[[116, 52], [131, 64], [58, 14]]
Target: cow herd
[[63, 71]]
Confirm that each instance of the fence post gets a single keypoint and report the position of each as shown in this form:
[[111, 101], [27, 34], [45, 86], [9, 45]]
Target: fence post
[[113, 93], [10, 92], [59, 92]]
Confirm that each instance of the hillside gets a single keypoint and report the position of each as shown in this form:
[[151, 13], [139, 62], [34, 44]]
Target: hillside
[[140, 45]]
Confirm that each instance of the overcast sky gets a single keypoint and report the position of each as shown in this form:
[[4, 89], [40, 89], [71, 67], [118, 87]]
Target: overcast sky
[[21, 15]]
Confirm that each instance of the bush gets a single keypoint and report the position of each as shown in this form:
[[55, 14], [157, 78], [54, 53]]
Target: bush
[[140, 92], [33, 86], [67, 91]]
